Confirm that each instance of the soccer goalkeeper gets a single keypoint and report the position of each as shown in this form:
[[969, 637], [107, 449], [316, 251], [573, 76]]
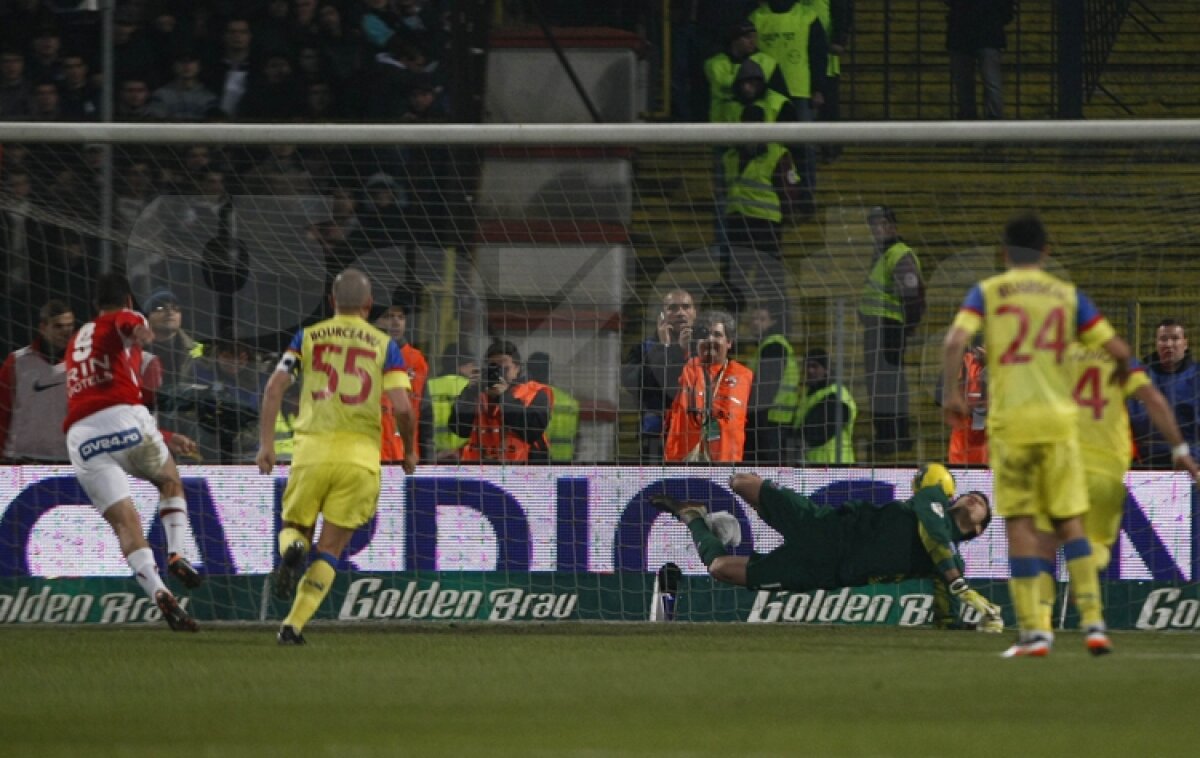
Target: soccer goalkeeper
[[859, 543]]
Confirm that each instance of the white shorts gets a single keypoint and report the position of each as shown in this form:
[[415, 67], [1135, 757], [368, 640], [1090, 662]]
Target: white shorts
[[111, 443]]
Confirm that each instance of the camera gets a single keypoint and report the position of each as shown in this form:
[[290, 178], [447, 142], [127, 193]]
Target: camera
[[700, 333], [494, 374]]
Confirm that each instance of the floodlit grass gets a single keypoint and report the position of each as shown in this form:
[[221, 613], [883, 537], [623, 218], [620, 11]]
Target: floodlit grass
[[588, 689]]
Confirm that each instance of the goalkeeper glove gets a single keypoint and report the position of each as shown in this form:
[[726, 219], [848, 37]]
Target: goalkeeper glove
[[990, 619]]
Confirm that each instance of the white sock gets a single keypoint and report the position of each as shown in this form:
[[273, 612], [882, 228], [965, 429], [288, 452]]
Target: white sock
[[145, 571], [173, 513]]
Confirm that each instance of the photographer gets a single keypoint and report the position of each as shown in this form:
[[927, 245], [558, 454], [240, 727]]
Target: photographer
[[503, 413], [707, 421]]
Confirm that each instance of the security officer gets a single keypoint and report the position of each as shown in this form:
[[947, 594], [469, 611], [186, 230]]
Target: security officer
[[826, 414], [776, 386], [753, 209], [457, 372], [890, 308]]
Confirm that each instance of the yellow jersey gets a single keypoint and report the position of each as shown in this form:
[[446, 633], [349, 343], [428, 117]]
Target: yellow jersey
[[344, 366], [1104, 437], [1030, 319]]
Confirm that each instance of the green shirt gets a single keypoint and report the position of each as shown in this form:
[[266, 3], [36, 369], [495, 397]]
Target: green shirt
[[903, 539]]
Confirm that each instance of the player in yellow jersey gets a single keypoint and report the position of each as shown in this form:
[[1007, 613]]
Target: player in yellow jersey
[[1029, 320], [345, 366], [1105, 447]]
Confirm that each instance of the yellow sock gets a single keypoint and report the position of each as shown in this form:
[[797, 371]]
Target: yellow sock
[[1025, 595], [288, 535], [1047, 593], [1101, 555], [1085, 583], [314, 586]]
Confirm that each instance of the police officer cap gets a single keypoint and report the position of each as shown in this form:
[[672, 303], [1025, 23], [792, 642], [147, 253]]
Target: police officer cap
[[881, 211]]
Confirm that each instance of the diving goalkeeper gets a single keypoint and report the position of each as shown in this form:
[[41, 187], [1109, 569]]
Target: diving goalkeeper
[[859, 543]]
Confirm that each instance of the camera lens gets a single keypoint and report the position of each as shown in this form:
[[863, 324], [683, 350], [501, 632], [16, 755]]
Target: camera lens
[[494, 374]]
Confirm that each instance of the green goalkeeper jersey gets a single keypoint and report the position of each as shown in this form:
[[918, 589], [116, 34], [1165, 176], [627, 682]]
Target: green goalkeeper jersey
[[903, 539]]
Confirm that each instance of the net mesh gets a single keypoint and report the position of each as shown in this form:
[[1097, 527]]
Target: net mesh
[[570, 251]]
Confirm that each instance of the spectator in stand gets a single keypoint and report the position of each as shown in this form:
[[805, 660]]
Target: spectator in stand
[[273, 31], [826, 414], [15, 89], [383, 223], [20, 243], [305, 27], [184, 98], [228, 410], [707, 420], [33, 392], [1177, 377], [424, 105], [45, 65], [282, 172], [974, 38], [133, 101], [45, 104], [78, 97], [457, 371], [64, 269], [274, 94], [564, 418], [394, 320], [319, 103], [166, 33], [776, 386], [651, 371], [134, 56], [379, 23], [339, 44], [175, 348], [504, 414], [228, 73]]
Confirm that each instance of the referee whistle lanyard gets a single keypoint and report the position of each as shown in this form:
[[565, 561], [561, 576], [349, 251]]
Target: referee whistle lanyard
[[710, 428]]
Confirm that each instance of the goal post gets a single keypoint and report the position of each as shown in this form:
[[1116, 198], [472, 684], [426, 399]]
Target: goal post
[[565, 239]]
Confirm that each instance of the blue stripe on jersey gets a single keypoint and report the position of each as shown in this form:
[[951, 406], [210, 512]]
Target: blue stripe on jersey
[[1024, 567], [1087, 313], [297, 343], [974, 300], [393, 359]]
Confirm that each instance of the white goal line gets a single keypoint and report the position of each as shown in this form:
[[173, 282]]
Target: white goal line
[[584, 135]]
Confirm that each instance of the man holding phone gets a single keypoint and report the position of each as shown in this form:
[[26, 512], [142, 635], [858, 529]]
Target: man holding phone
[[651, 373], [503, 413]]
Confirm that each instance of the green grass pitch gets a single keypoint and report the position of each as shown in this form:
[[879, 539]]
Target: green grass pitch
[[588, 690]]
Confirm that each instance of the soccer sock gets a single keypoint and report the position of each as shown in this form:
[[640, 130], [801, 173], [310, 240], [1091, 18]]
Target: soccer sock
[[314, 586], [145, 571], [288, 535], [1023, 586], [707, 544], [1085, 582], [172, 511], [1101, 555], [1047, 592]]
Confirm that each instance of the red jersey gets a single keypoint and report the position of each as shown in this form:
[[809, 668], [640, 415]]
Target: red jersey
[[104, 365], [392, 449]]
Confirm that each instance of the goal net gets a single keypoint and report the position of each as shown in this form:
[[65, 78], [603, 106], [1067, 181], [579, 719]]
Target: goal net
[[581, 246]]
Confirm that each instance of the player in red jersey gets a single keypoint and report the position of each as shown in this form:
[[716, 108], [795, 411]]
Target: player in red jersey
[[111, 434]]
